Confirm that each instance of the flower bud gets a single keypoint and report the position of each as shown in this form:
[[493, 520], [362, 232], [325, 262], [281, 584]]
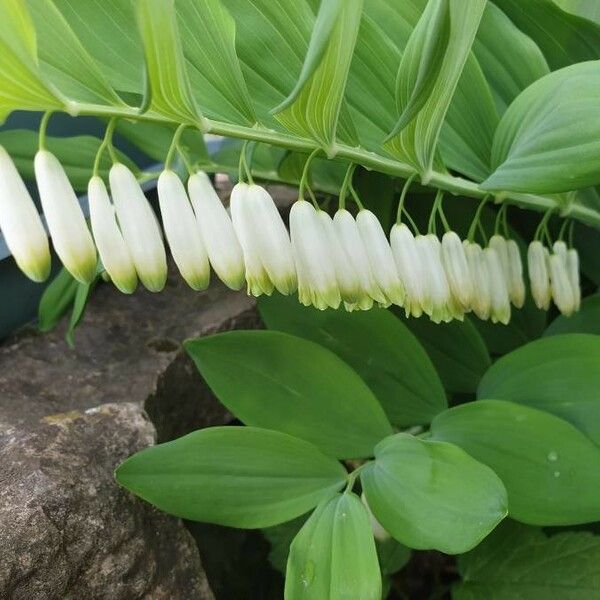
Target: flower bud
[[481, 302], [317, 281], [139, 227], [410, 268], [457, 269], [272, 240], [71, 237], [182, 231], [113, 251], [380, 257], [516, 285], [539, 278], [351, 241], [500, 300], [20, 223], [224, 250], [351, 291], [562, 291], [257, 278], [573, 273]]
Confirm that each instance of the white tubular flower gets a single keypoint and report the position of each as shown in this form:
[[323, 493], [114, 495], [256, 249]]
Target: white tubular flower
[[410, 268], [71, 237], [113, 251], [560, 248], [20, 223], [317, 281], [498, 243], [481, 303], [562, 291], [380, 256], [182, 231], [224, 250], [539, 278], [139, 227], [573, 273], [257, 278], [516, 285], [350, 239], [500, 300], [439, 306], [350, 289], [457, 269], [272, 240]]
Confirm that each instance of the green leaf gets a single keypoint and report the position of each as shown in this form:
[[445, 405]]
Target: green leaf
[[280, 537], [21, 84], [432, 495], [585, 320], [417, 142], [517, 561], [236, 476], [509, 59], [558, 374], [278, 381], [82, 295], [563, 38], [589, 9], [76, 154], [168, 87], [393, 556], [421, 61], [377, 346], [548, 139], [65, 61], [456, 349], [333, 557], [540, 458], [314, 109], [56, 299], [208, 39]]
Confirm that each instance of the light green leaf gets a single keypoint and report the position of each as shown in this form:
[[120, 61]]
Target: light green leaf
[[558, 374], [509, 59], [456, 349], [168, 86], [377, 346], [432, 495], [589, 9], [21, 84], [548, 139], [208, 39], [278, 381], [421, 61], [333, 557], [108, 31], [236, 476], [65, 61], [540, 458], [563, 38], [315, 110], [417, 142], [82, 295], [585, 320], [76, 154], [56, 299], [517, 561]]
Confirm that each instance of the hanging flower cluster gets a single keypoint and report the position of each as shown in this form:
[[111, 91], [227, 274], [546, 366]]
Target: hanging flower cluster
[[329, 261]]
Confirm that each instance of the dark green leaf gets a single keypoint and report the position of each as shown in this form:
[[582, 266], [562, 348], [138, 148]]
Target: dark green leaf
[[585, 320], [56, 299], [236, 476], [82, 296], [517, 561], [431, 494], [392, 556], [558, 374], [456, 349], [280, 537], [545, 463], [333, 557], [377, 346], [278, 381]]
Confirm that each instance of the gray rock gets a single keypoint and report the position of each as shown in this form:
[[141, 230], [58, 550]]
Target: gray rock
[[69, 532]]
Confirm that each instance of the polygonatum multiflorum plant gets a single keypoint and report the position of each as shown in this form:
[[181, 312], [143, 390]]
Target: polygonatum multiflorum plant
[[447, 159]]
